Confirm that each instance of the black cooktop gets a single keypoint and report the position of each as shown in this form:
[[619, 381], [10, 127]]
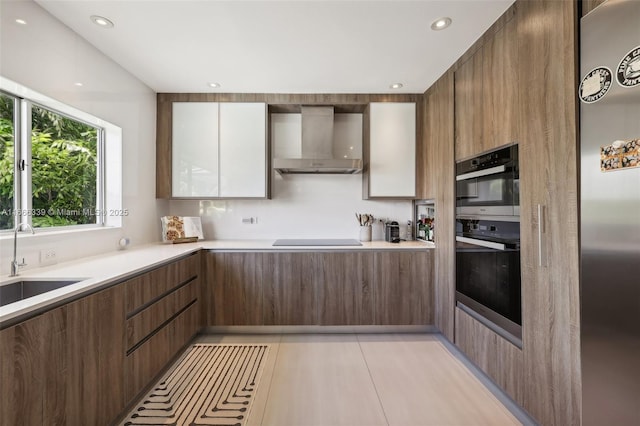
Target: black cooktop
[[317, 242]]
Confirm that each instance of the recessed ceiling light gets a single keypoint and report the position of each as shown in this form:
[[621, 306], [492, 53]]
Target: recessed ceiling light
[[396, 86], [441, 24], [101, 21], [21, 22], [214, 85], [77, 84]]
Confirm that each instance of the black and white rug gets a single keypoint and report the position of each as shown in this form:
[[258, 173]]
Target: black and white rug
[[213, 384]]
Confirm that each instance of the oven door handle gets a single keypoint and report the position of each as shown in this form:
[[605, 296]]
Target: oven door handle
[[481, 243], [480, 173]]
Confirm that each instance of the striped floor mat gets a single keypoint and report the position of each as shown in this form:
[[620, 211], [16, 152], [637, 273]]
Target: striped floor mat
[[213, 384]]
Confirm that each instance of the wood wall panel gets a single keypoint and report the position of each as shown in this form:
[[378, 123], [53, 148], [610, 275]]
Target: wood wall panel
[[547, 59], [440, 141], [345, 288]]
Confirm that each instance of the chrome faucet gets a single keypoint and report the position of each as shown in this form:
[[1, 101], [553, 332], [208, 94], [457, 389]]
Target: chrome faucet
[[14, 263]]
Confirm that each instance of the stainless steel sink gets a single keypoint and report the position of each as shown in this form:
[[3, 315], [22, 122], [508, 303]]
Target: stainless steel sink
[[23, 289]]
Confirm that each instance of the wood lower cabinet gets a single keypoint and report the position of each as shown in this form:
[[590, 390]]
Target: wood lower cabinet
[[234, 291], [319, 288], [289, 288], [82, 363], [64, 366], [162, 315], [345, 288], [403, 288], [498, 358]]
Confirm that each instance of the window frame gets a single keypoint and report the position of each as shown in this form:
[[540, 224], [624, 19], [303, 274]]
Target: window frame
[[108, 152]]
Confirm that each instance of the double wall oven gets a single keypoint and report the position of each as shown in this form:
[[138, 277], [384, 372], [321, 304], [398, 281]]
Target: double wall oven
[[488, 283]]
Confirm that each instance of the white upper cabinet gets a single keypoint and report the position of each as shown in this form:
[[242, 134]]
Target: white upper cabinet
[[243, 154], [195, 149], [392, 150], [219, 150]]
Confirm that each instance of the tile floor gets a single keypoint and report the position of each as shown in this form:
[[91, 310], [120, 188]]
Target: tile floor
[[366, 380]]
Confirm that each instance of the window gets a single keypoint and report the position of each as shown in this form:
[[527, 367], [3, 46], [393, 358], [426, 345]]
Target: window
[[52, 164]]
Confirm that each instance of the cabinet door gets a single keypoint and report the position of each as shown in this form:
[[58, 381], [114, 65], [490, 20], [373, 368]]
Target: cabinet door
[[95, 334], [403, 288], [549, 179], [392, 150], [243, 153], [195, 149], [289, 282], [65, 366], [468, 107], [500, 88], [33, 365], [498, 358], [233, 288], [345, 288]]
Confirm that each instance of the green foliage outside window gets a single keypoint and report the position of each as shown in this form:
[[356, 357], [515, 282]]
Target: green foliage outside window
[[63, 169]]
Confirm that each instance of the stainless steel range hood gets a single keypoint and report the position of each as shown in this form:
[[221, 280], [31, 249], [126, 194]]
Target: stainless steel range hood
[[317, 147]]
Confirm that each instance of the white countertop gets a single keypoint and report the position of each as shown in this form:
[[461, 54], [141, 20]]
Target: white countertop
[[98, 271]]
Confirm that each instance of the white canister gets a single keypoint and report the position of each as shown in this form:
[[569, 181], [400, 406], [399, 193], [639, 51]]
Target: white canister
[[365, 233]]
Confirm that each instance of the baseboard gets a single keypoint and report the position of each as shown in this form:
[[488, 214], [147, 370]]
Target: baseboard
[[318, 329]]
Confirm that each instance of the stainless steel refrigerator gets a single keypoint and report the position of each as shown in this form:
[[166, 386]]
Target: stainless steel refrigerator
[[610, 213]]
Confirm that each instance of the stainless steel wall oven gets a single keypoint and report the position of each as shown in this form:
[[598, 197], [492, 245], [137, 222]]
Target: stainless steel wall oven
[[489, 184], [488, 281]]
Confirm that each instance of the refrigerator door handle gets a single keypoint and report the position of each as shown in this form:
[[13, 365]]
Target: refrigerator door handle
[[542, 256]]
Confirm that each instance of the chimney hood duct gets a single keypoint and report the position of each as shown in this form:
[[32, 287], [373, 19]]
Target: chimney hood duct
[[317, 147]]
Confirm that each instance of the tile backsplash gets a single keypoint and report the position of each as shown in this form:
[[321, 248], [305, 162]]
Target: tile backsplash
[[302, 206]]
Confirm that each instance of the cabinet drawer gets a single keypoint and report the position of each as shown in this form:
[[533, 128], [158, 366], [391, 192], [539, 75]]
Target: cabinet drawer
[[494, 355], [151, 318], [144, 363], [146, 288]]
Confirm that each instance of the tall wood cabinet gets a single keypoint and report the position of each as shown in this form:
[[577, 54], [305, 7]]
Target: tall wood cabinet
[[517, 84], [487, 94], [440, 185], [547, 121]]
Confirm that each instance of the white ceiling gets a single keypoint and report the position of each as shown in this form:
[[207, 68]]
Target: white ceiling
[[302, 46]]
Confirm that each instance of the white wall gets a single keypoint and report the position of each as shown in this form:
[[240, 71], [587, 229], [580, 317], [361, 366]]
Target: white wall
[[302, 206], [48, 57]]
